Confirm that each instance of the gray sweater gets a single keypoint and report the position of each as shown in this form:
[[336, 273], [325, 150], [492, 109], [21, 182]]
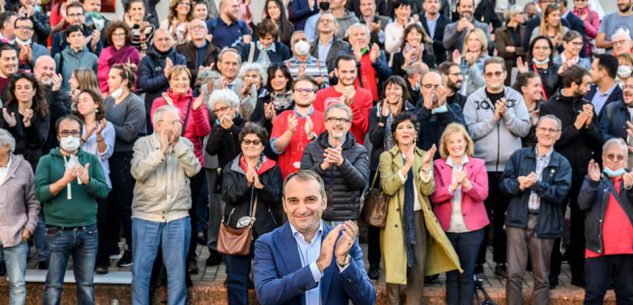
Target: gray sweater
[[128, 119], [496, 142]]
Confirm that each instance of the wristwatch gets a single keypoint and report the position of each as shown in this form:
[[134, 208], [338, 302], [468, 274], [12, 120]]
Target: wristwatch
[[348, 258]]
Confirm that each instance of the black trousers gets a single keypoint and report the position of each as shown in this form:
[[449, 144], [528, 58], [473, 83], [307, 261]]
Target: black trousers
[[496, 206], [373, 236], [119, 211], [604, 270]]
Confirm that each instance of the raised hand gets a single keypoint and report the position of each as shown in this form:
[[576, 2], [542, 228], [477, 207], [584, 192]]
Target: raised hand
[[9, 118], [427, 159], [198, 102], [28, 115], [374, 53], [308, 126], [522, 66], [168, 65], [57, 82], [269, 111], [292, 123], [593, 170], [226, 122], [628, 180], [102, 124], [163, 140], [345, 241], [82, 173], [327, 248], [167, 99]]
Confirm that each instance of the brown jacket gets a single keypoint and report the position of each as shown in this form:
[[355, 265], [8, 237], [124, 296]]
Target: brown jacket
[[190, 51], [503, 39], [19, 209]]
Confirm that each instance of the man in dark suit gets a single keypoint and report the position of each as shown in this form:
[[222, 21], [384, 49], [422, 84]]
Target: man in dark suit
[[434, 24], [604, 90], [306, 261]]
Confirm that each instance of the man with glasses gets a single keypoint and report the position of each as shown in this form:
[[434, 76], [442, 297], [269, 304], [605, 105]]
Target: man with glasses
[[617, 115], [341, 162], [622, 42], [199, 52], [326, 45], [345, 92], [41, 22], [30, 51], [537, 180], [580, 141], [162, 165], [75, 16], [434, 111], [227, 30], [497, 119], [294, 129], [623, 18], [68, 182]]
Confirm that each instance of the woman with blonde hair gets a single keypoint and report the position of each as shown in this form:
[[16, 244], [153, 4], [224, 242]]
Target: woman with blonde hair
[[551, 26], [471, 61], [177, 22], [461, 186], [82, 79]]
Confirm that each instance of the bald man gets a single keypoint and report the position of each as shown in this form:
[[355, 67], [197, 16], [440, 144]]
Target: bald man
[[58, 99]]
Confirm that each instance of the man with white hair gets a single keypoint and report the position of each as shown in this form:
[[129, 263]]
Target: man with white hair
[[303, 63], [160, 209], [622, 42], [605, 197], [623, 18], [19, 216], [373, 62], [199, 52]]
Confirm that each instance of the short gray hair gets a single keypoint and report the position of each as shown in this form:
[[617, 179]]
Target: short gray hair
[[7, 138], [253, 66], [559, 124], [358, 25], [230, 50], [225, 96], [615, 141], [160, 113], [417, 68], [339, 106]]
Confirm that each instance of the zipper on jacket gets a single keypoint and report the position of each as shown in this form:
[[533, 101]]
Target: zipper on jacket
[[600, 221]]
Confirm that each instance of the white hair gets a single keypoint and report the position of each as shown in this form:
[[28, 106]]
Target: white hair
[[160, 113], [357, 25], [622, 32], [225, 96], [7, 138], [253, 66], [615, 141]]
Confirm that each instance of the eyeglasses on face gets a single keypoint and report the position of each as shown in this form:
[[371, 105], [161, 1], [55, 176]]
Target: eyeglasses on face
[[549, 130], [338, 120], [251, 142], [431, 86], [614, 157], [304, 90], [495, 74], [66, 133]]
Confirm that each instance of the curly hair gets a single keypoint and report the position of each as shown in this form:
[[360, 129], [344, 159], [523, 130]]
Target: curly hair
[[39, 104], [113, 26], [97, 99], [172, 10]]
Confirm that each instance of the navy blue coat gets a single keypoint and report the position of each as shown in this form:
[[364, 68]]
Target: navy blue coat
[[616, 95], [438, 47], [281, 54], [151, 77], [613, 121], [552, 189], [281, 280]]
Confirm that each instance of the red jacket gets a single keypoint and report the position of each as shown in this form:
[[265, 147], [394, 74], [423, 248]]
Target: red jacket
[[360, 109], [198, 125], [473, 209]]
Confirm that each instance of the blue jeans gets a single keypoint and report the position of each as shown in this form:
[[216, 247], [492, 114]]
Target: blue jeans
[[173, 238], [15, 258], [39, 239], [238, 267], [82, 245], [460, 288]]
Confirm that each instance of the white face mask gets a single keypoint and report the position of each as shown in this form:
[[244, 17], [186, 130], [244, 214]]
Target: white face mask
[[117, 93], [69, 143], [541, 62], [624, 71], [302, 47]]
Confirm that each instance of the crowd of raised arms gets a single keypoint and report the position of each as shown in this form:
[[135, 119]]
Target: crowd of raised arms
[[270, 132]]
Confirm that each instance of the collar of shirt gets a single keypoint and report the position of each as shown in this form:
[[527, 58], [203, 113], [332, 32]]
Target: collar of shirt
[[302, 240], [437, 16], [546, 155], [301, 116], [449, 161], [232, 84], [608, 92], [271, 48], [564, 15], [329, 44]]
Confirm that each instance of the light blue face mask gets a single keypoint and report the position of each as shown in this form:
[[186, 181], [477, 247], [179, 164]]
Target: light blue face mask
[[614, 174]]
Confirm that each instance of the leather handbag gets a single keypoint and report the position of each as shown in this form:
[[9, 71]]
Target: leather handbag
[[375, 208], [238, 241]]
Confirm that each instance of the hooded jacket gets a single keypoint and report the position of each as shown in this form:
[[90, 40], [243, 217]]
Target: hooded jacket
[[69, 60], [151, 77], [495, 142], [344, 184]]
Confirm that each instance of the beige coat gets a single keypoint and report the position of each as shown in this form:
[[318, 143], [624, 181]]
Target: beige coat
[[440, 256]]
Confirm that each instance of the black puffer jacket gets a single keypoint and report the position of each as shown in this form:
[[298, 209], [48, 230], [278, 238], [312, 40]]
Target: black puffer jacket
[[344, 184], [238, 196], [225, 143], [594, 197]]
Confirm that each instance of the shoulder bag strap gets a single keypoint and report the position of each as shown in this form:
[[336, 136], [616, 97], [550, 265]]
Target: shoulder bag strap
[[184, 125], [251, 52]]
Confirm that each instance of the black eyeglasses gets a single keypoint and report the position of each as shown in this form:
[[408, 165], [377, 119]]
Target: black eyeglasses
[[337, 120], [431, 86], [253, 142]]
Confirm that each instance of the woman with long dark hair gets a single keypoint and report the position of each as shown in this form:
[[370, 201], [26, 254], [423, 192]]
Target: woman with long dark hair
[[414, 48], [540, 60], [177, 22], [26, 116], [278, 99], [141, 30], [530, 86], [275, 10]]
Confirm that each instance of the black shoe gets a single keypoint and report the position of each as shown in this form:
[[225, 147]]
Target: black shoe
[[101, 270], [553, 283], [429, 280], [126, 260], [578, 282], [479, 269], [201, 239], [192, 268], [374, 272], [3, 268], [501, 270], [42, 265], [215, 258]]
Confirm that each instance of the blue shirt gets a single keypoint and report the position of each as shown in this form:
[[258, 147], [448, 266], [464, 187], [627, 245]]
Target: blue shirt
[[432, 24], [323, 49], [202, 50], [309, 253], [227, 35], [599, 99]]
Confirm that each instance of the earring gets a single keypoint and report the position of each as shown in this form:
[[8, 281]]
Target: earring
[[96, 110]]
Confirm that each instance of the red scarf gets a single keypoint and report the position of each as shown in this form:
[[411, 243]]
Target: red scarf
[[263, 165]]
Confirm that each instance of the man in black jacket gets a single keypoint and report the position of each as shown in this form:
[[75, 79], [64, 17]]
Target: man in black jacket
[[607, 198], [199, 45], [579, 142], [537, 179], [341, 162]]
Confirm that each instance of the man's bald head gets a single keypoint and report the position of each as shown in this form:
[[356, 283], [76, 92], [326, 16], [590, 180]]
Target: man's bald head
[[44, 70]]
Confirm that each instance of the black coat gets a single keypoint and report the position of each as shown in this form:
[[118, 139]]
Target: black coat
[[432, 125], [28, 140], [552, 190], [594, 198], [225, 143], [281, 54], [344, 184], [238, 197], [577, 146], [58, 106], [438, 47], [190, 52], [377, 132], [151, 77]]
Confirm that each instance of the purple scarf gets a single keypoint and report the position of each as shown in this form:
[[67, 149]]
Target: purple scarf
[[123, 55]]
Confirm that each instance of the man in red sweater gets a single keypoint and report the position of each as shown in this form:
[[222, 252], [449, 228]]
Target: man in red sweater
[[359, 99]]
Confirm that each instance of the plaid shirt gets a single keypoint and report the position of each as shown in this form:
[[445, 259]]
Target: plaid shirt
[[541, 162]]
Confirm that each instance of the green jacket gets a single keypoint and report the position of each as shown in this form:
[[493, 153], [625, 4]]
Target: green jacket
[[81, 210]]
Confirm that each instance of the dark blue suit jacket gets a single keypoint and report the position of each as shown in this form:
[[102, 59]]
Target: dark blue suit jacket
[[438, 37], [280, 279], [616, 95]]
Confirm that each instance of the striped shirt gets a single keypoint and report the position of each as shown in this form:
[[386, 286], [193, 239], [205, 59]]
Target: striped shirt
[[313, 68]]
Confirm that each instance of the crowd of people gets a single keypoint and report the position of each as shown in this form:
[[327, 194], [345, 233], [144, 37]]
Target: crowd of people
[[483, 123]]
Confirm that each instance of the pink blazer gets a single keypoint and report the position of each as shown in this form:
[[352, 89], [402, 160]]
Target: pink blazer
[[473, 209]]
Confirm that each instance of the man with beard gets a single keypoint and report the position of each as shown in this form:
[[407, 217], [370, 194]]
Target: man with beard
[[618, 114], [579, 142], [341, 162], [623, 18], [455, 32], [434, 112], [373, 68], [294, 129], [375, 22], [454, 79], [358, 99], [226, 30], [30, 51], [605, 90], [434, 24], [8, 67], [497, 119]]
